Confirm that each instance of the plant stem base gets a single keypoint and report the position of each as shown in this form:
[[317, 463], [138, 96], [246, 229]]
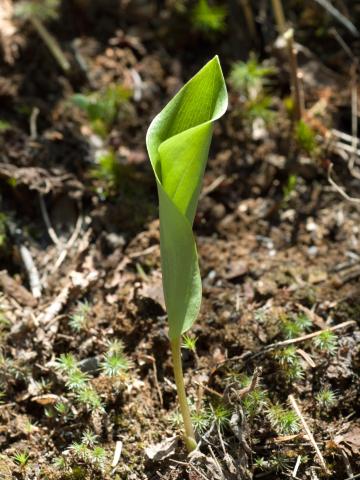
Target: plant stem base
[[189, 436]]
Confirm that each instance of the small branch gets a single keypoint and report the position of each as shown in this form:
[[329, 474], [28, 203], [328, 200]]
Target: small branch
[[33, 126], [339, 189], [51, 43], [50, 229], [213, 186], [31, 270], [297, 465], [291, 341], [354, 113], [249, 17], [339, 16], [153, 362], [54, 308], [69, 244], [308, 432], [117, 453]]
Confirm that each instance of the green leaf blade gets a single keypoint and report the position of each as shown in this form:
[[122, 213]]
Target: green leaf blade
[[178, 142]]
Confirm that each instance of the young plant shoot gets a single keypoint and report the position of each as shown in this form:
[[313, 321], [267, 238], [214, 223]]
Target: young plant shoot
[[178, 142]]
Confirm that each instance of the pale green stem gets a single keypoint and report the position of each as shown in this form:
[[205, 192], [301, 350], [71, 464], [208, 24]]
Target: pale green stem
[[183, 403], [51, 43]]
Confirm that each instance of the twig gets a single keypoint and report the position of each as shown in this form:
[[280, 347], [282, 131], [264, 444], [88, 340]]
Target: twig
[[308, 432], [354, 96], [138, 84], [213, 186], [51, 43], [249, 17], [339, 16], [147, 251], [353, 477], [297, 465], [345, 136], [339, 189], [354, 113], [291, 341], [50, 229], [33, 126], [63, 254], [54, 308], [31, 270], [306, 357], [117, 453]]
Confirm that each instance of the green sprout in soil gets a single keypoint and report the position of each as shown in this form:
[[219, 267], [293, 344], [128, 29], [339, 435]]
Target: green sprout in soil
[[189, 343], [218, 414], [88, 451], [261, 464], [255, 402], [208, 18], [4, 126], [289, 187], [201, 420], [102, 107], [109, 171], [67, 363], [249, 79], [290, 363], [282, 420], [326, 341], [305, 137], [77, 382], [37, 13], [79, 319], [114, 362], [88, 397], [279, 463], [295, 326], [326, 398], [178, 141], [59, 463], [221, 415], [3, 230], [62, 409], [21, 459]]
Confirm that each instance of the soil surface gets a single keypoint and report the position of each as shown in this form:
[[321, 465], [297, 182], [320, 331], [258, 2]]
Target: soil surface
[[86, 383]]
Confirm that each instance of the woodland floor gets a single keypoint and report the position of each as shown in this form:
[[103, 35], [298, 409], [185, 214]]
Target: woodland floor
[[277, 262]]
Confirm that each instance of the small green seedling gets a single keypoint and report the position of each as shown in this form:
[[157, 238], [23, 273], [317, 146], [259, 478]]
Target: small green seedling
[[283, 420], [208, 18], [21, 459], [115, 360], [4, 126], [189, 343], [305, 137], [79, 319], [178, 142], [326, 398], [326, 341], [102, 107], [250, 79]]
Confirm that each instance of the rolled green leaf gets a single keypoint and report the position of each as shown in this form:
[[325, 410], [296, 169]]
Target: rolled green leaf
[[178, 142]]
